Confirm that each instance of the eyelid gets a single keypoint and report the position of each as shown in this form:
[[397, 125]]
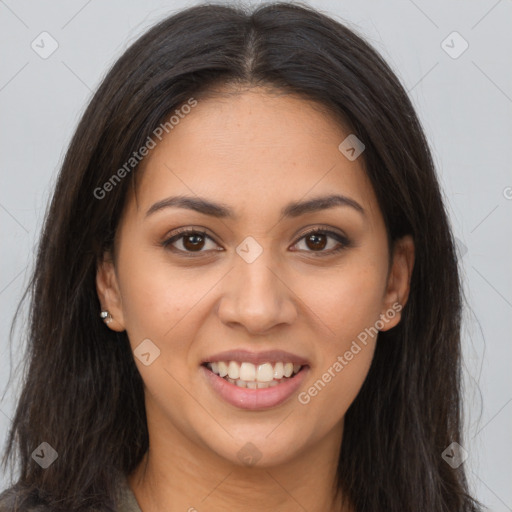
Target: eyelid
[[187, 230], [324, 229]]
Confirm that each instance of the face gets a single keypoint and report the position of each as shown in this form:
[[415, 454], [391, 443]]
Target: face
[[275, 260]]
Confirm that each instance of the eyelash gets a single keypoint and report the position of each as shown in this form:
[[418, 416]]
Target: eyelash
[[184, 232]]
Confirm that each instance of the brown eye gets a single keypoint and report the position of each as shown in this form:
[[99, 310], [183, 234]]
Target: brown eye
[[193, 242], [190, 241], [316, 241], [322, 242]]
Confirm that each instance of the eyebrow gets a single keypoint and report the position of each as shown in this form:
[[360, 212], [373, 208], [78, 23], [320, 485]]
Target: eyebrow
[[222, 211]]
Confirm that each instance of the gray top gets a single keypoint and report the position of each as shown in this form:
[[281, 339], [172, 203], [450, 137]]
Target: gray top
[[127, 501], [9, 500]]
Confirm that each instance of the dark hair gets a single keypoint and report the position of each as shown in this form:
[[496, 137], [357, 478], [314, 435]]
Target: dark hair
[[82, 392]]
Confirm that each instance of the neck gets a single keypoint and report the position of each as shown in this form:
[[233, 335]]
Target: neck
[[182, 475]]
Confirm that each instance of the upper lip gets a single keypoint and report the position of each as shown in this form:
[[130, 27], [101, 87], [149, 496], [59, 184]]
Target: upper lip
[[267, 356]]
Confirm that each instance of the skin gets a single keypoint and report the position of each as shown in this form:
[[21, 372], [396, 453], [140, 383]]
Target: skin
[[254, 151]]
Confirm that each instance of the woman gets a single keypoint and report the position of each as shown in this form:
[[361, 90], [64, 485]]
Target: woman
[[246, 294]]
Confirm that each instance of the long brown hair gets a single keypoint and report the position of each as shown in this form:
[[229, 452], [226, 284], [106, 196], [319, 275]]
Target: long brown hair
[[82, 393]]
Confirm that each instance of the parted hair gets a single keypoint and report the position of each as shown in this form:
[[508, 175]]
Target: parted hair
[[81, 391]]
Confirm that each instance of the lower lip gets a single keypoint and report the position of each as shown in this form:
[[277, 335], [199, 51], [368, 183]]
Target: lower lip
[[255, 399]]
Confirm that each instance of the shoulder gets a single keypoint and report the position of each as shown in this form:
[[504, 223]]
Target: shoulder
[[126, 499], [11, 500], [15, 499]]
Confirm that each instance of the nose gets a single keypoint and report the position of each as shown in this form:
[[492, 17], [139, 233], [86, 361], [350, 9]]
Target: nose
[[257, 297]]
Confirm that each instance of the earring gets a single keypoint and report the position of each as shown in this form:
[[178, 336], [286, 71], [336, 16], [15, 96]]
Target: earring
[[107, 317]]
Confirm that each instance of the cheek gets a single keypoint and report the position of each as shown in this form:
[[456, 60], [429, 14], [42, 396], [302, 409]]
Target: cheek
[[166, 305], [155, 295], [343, 360], [349, 303], [347, 300], [158, 305], [333, 388]]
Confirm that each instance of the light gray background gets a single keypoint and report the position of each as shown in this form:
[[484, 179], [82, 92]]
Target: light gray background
[[465, 105]]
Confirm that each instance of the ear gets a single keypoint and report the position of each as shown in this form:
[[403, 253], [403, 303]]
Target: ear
[[108, 292], [399, 282]]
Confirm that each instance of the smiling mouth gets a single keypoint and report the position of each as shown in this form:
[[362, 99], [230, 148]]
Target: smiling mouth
[[251, 376]]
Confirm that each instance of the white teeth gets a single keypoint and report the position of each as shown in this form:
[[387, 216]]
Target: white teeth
[[265, 372], [233, 370], [247, 371], [278, 371], [222, 368], [248, 375]]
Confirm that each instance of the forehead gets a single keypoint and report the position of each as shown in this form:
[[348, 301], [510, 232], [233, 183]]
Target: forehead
[[254, 149]]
